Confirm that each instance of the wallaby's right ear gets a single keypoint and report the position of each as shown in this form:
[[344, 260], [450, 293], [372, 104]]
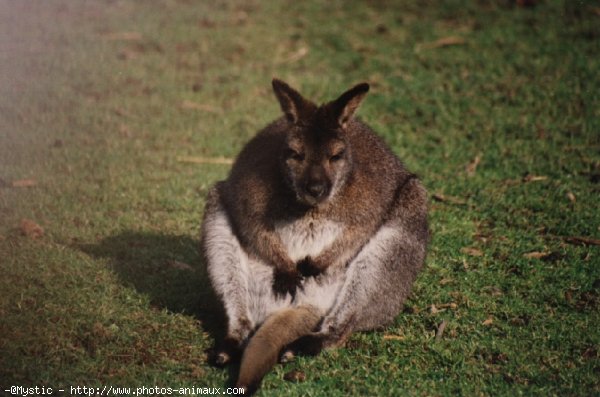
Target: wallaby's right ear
[[294, 106], [345, 106]]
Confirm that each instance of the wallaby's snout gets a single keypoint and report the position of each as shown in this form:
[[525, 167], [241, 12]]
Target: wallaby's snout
[[317, 187], [313, 177]]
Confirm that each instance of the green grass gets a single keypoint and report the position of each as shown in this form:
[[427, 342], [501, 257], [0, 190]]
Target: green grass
[[93, 109]]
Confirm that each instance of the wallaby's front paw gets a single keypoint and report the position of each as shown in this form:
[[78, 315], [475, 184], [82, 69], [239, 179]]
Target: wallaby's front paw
[[309, 267], [286, 282]]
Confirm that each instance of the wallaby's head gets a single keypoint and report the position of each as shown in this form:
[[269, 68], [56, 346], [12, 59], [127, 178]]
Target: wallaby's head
[[317, 158]]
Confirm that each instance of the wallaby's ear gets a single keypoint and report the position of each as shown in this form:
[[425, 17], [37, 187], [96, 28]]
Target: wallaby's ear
[[344, 107], [294, 106]]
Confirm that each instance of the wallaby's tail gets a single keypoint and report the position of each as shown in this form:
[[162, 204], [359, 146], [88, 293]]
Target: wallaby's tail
[[279, 330]]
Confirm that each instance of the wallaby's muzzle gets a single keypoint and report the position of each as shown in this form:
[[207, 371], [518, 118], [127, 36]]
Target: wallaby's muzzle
[[315, 185], [317, 190]]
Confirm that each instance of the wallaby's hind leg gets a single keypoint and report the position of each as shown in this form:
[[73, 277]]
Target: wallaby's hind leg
[[227, 266], [377, 282]]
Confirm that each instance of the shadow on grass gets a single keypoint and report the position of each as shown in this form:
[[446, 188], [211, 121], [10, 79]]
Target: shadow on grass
[[166, 268]]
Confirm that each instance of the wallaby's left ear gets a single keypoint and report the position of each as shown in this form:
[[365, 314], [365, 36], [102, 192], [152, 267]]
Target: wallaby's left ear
[[345, 106]]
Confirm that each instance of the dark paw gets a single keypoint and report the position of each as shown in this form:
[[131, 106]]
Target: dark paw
[[286, 282], [227, 351], [308, 268], [310, 345]]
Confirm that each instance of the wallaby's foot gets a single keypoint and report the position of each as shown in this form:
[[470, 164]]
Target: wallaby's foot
[[316, 342], [228, 350], [309, 345], [287, 356], [222, 358]]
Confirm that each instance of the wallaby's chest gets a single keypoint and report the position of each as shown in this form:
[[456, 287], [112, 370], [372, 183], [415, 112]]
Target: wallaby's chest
[[304, 237]]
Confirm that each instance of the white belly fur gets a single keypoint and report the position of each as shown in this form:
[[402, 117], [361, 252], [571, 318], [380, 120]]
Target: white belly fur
[[307, 238], [300, 239]]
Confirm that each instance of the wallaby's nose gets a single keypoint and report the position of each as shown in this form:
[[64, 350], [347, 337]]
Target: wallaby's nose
[[316, 189]]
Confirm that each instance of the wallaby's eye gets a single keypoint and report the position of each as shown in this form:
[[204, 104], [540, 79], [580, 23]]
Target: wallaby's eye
[[294, 155], [337, 157]]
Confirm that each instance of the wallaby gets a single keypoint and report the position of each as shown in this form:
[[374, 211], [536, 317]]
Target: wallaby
[[318, 231]]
